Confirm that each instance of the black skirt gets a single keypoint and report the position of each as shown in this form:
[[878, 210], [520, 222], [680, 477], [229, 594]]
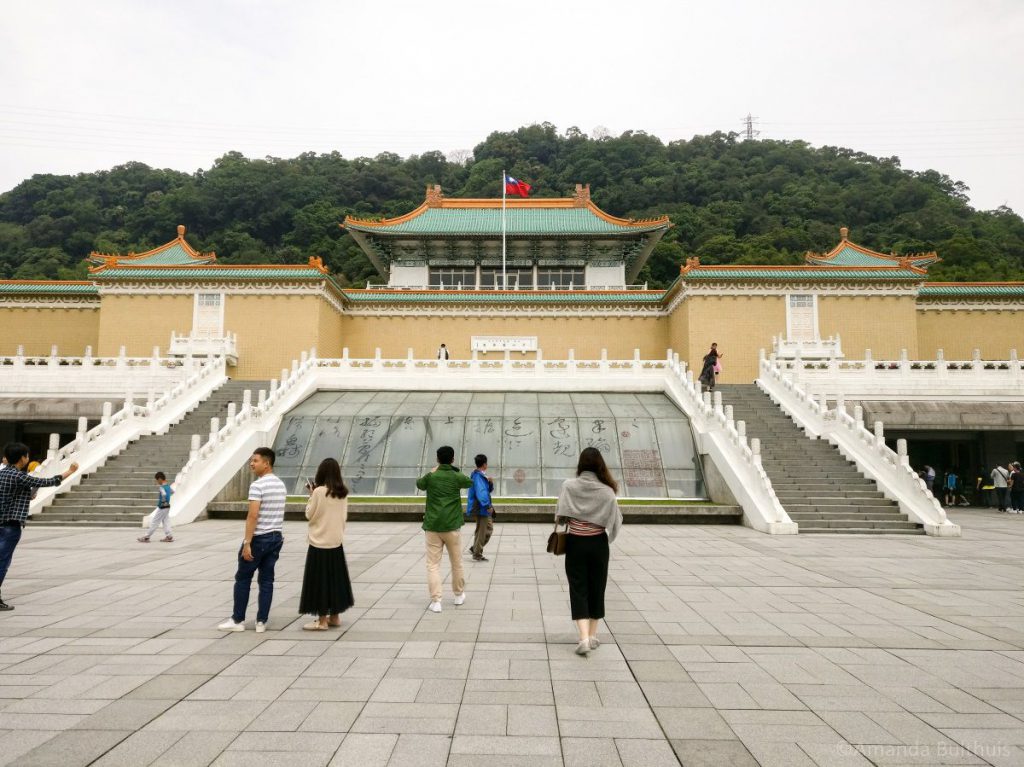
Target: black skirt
[[326, 588]]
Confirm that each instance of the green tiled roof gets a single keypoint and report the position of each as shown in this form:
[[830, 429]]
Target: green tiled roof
[[824, 273], [199, 272], [851, 256], [489, 297], [518, 221], [1009, 289], [175, 255], [42, 288]]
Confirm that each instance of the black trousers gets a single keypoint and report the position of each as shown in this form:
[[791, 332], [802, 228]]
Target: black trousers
[[586, 567]]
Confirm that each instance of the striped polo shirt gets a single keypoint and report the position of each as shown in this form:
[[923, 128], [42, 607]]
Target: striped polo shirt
[[270, 491]]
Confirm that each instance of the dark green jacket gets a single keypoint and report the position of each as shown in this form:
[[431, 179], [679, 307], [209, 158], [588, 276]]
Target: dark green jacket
[[444, 504]]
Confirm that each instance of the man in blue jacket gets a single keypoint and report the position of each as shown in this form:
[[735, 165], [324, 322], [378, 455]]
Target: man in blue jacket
[[478, 503]]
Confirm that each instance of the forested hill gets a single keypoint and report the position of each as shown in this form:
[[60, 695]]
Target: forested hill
[[731, 201]]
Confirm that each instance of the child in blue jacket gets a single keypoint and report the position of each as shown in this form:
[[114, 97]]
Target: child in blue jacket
[[478, 504]]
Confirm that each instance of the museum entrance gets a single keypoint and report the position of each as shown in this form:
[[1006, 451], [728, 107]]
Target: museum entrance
[[385, 440]]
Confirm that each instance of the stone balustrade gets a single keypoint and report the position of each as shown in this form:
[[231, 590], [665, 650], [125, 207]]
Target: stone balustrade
[[890, 469]]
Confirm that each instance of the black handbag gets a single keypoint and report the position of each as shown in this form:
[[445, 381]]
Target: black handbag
[[557, 540]]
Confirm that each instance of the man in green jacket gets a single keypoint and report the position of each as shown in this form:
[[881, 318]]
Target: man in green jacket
[[442, 523]]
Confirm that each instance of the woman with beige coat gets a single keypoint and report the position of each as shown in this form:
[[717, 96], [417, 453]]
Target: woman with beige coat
[[326, 587]]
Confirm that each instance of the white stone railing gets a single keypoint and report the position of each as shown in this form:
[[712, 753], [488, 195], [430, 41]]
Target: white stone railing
[[867, 449], [212, 463], [204, 344], [216, 460], [906, 379], [89, 376], [91, 448], [818, 348]]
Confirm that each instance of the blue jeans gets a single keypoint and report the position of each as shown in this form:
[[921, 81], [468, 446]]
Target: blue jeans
[[266, 549], [9, 537]]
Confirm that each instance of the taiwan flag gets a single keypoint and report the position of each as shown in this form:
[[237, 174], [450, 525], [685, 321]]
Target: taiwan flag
[[516, 187]]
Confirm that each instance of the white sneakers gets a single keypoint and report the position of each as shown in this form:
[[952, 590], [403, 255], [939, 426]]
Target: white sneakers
[[459, 599], [583, 648], [230, 625]]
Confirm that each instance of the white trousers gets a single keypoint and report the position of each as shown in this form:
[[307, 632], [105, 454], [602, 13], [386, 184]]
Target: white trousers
[[160, 516]]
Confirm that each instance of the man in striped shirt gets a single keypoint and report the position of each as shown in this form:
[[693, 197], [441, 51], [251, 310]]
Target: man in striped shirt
[[262, 543]]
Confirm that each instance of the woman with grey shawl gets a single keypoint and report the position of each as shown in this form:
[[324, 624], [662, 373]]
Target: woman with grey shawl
[[587, 504]]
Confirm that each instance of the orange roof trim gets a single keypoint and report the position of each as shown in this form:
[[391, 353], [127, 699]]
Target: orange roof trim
[[106, 260], [891, 258]]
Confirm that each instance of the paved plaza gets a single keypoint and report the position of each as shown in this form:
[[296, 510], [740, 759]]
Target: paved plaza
[[723, 646]]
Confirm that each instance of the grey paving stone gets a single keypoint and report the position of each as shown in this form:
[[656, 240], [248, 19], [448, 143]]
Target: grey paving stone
[[712, 753], [73, 748], [592, 752], [125, 714], [364, 750]]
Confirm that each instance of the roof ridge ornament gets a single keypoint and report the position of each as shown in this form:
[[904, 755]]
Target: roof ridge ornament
[[692, 262], [181, 231], [582, 196], [434, 198], [844, 233]]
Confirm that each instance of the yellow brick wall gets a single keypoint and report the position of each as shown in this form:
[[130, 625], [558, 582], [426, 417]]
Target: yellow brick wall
[[141, 322], [884, 324], [677, 328], [37, 329], [329, 341], [959, 333], [741, 325], [272, 331], [555, 335]]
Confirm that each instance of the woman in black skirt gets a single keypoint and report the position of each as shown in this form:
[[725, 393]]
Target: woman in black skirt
[[588, 504], [326, 588]]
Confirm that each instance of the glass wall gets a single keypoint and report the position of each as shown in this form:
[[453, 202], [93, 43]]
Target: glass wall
[[385, 440]]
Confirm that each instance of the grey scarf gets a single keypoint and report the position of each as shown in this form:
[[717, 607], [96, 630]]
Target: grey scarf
[[588, 498]]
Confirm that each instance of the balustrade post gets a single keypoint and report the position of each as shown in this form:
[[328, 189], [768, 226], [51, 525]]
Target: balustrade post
[[901, 451], [273, 386], [728, 412], [83, 427], [668, 355], [377, 365], [214, 428], [706, 399], [904, 362], [150, 400], [410, 356], [716, 399], [823, 402], [755, 450], [741, 429], [247, 399], [193, 452], [841, 403], [572, 361], [53, 447], [154, 361], [302, 359], [344, 353], [295, 366], [858, 415], [506, 361], [122, 358], [867, 358], [53, 355], [261, 398], [108, 411], [1015, 368], [879, 434], [232, 411], [940, 361], [87, 358]]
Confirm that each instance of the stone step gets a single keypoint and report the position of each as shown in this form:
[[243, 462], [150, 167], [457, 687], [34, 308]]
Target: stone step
[[697, 513], [853, 501], [850, 510], [894, 514], [860, 531]]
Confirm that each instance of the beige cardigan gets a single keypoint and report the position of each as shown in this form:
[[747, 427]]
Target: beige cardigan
[[327, 517]]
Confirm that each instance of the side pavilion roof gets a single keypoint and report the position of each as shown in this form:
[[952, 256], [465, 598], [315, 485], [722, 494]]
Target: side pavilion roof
[[177, 252], [847, 253]]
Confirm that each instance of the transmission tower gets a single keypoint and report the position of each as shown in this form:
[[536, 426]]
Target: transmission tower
[[749, 134]]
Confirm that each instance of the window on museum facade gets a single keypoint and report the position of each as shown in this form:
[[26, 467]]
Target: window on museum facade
[[562, 278], [453, 278], [208, 316], [519, 278], [801, 317]]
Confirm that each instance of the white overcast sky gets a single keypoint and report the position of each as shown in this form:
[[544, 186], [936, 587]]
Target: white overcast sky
[[88, 86]]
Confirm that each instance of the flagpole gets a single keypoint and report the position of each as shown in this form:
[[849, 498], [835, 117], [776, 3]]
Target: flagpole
[[504, 277]]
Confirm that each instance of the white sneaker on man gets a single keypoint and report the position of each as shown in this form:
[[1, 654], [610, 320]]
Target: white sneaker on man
[[460, 599], [435, 607], [260, 627], [230, 625]]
